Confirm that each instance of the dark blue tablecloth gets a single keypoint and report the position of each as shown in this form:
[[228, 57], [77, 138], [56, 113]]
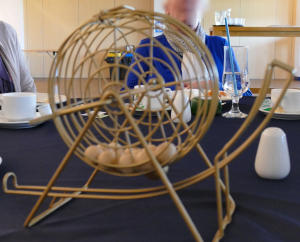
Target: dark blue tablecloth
[[267, 210]]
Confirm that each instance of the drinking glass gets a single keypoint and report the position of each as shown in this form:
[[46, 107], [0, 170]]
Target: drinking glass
[[240, 64]]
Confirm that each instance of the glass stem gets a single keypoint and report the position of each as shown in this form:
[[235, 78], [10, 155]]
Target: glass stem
[[235, 104]]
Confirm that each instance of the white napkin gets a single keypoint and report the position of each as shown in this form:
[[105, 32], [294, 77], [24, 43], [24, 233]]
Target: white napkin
[[182, 106], [193, 69]]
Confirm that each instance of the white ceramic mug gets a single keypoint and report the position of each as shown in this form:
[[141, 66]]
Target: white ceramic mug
[[290, 102], [272, 158], [152, 99], [18, 106]]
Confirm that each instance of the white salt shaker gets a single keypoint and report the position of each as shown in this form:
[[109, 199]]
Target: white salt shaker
[[272, 157], [182, 105]]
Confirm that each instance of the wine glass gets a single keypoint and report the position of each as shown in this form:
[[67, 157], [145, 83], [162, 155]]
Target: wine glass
[[236, 82]]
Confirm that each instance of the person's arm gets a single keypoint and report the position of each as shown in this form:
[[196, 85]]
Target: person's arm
[[26, 81]]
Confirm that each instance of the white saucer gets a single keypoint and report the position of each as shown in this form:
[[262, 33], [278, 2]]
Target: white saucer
[[4, 123], [0, 160], [266, 107]]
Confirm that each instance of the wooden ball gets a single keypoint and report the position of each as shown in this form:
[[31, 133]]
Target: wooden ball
[[92, 152], [101, 147], [126, 159], [108, 156], [114, 145], [117, 148], [134, 152], [143, 157], [165, 151]]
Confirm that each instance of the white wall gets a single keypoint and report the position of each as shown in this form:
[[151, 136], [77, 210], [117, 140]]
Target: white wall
[[49, 22], [261, 13], [11, 11], [297, 41], [158, 6]]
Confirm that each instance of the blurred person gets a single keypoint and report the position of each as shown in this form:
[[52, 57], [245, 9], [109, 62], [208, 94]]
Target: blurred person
[[14, 73], [189, 12]]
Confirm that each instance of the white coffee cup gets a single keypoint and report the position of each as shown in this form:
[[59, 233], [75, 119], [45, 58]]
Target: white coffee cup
[[272, 157], [18, 106], [153, 100], [290, 102]]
